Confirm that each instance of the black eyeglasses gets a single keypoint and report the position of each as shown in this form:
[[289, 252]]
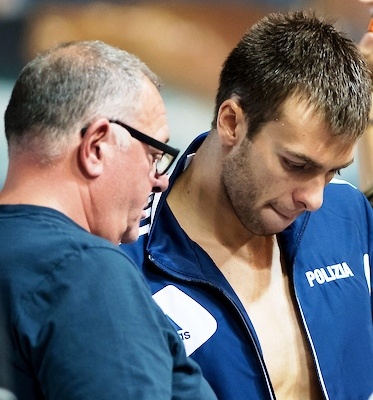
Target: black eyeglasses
[[168, 156]]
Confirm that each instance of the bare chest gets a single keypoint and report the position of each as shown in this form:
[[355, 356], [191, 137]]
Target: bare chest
[[266, 295]]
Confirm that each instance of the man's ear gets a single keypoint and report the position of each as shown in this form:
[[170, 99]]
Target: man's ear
[[231, 122], [92, 148]]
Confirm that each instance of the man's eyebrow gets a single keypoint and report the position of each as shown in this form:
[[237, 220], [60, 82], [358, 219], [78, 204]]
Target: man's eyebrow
[[315, 164]]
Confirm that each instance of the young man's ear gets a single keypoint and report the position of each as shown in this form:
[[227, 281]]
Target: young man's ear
[[231, 122], [94, 141]]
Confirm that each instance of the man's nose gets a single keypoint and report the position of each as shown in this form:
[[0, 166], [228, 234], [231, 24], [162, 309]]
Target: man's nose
[[311, 194], [161, 183]]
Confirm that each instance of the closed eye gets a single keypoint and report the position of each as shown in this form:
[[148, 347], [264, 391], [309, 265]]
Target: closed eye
[[307, 167], [293, 165]]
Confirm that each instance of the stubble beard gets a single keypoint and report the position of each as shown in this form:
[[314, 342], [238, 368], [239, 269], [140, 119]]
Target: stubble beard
[[242, 195]]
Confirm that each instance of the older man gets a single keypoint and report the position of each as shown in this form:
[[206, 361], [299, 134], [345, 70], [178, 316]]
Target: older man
[[86, 130]]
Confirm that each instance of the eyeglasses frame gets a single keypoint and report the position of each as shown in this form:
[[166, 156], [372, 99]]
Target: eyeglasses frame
[[142, 137]]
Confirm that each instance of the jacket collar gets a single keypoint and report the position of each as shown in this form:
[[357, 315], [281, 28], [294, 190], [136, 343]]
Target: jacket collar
[[170, 248]]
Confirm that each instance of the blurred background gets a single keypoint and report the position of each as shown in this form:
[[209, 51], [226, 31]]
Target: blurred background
[[184, 42]]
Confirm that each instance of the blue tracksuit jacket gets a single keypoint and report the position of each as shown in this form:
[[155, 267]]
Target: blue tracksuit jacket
[[328, 255]]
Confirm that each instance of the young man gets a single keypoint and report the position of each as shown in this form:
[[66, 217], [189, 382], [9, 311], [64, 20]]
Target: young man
[[78, 317], [259, 257]]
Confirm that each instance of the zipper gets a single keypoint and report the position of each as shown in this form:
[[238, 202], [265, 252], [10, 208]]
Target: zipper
[[232, 303], [315, 358]]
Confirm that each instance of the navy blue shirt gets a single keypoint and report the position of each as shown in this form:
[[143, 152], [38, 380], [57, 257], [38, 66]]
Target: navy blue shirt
[[79, 319]]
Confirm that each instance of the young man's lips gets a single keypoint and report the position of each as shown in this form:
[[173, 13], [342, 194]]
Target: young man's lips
[[287, 215]]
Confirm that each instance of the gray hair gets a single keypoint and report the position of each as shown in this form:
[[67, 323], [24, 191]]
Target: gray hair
[[64, 88]]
